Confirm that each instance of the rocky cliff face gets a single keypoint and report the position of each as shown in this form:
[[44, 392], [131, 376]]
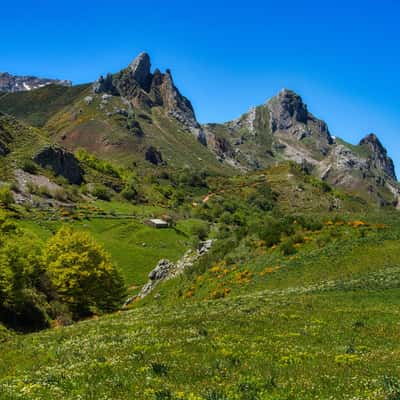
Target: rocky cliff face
[[378, 155], [284, 129], [62, 163], [11, 83], [145, 90]]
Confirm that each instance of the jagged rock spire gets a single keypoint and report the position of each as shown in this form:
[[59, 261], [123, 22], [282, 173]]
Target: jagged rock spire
[[140, 68], [287, 107]]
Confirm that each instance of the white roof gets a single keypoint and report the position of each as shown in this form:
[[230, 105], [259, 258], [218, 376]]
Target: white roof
[[158, 221]]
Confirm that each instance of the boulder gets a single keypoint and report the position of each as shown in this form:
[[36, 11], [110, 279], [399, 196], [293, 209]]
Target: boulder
[[154, 156], [162, 270], [62, 162], [105, 85]]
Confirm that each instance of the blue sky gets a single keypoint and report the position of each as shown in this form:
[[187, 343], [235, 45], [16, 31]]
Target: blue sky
[[343, 57]]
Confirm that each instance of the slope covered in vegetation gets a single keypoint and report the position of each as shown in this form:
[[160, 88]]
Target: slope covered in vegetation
[[297, 299]]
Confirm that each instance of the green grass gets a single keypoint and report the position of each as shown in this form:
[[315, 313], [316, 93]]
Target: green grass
[[341, 345], [324, 325], [134, 247], [37, 106], [247, 323]]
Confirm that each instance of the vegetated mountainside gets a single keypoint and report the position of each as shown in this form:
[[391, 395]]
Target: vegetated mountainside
[[138, 117], [13, 83], [297, 299], [284, 129], [37, 106], [17, 142], [135, 116]]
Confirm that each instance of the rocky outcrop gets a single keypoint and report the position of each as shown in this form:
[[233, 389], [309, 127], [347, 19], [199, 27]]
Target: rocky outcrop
[[286, 109], [288, 113], [153, 156], [145, 90], [165, 269], [140, 70], [61, 162], [105, 85], [378, 155], [284, 129], [12, 83]]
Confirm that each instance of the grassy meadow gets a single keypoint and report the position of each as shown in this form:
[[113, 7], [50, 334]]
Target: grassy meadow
[[296, 300]]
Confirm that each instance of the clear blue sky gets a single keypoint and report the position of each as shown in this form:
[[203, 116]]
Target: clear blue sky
[[343, 57]]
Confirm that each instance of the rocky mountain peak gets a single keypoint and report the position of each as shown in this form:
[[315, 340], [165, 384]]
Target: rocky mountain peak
[[145, 90], [286, 109], [378, 154], [140, 69], [373, 142]]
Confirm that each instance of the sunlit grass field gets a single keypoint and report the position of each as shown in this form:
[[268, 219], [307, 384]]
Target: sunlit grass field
[[322, 323]]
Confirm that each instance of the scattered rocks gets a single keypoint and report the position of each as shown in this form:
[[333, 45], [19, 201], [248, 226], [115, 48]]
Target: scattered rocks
[[161, 271], [165, 269]]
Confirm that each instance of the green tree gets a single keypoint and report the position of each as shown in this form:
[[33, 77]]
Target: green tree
[[82, 273], [23, 301]]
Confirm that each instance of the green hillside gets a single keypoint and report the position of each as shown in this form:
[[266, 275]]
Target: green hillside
[[37, 106], [146, 256], [297, 299], [290, 329]]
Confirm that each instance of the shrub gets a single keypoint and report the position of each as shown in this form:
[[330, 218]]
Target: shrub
[[30, 167], [309, 223], [82, 273], [101, 192], [288, 248], [200, 231], [6, 196], [129, 193], [97, 164]]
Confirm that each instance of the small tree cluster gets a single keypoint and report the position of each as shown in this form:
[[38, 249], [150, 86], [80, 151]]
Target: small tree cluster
[[70, 275]]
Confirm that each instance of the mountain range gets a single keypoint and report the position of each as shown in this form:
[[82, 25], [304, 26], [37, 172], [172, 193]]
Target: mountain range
[[138, 116], [13, 83], [144, 255]]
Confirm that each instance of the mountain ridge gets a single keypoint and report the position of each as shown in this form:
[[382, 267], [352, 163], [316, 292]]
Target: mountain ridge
[[14, 83], [124, 115], [284, 129]]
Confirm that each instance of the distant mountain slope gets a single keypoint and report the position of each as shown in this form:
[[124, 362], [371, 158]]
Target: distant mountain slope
[[13, 83], [284, 129], [36, 107]]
